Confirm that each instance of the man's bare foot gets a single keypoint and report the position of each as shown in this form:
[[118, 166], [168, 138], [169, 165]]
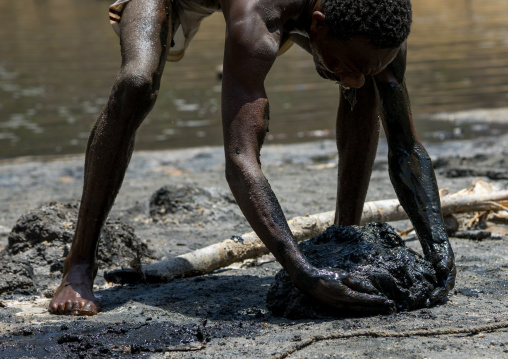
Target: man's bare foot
[[75, 295]]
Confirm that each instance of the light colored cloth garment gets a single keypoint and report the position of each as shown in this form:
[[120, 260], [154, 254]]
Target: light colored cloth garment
[[190, 13]]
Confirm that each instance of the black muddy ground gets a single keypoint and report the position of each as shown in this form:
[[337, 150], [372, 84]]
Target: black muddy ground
[[224, 314]]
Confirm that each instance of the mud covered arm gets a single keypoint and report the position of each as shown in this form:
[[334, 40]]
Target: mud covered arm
[[250, 51], [412, 174], [245, 116]]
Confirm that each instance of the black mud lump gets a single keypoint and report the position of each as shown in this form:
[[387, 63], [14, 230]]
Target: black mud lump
[[40, 240], [374, 252]]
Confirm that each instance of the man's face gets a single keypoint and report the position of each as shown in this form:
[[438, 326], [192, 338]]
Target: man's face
[[348, 62]]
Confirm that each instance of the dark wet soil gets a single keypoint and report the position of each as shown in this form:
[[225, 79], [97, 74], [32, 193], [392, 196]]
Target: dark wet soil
[[41, 238], [116, 340], [480, 165], [374, 253], [191, 204], [38, 243], [173, 202]]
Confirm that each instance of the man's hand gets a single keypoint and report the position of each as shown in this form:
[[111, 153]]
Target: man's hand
[[443, 262], [341, 290]]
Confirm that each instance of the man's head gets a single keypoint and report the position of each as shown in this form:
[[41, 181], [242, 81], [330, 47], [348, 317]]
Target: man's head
[[385, 23], [353, 38]]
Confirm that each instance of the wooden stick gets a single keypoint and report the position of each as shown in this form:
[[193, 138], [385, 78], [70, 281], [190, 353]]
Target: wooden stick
[[498, 218], [248, 245]]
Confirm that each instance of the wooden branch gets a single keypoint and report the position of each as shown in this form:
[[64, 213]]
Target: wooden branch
[[498, 218], [391, 210], [237, 249]]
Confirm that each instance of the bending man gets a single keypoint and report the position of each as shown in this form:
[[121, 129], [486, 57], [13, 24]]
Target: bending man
[[360, 44]]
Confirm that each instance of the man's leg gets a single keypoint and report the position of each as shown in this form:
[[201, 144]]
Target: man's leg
[[357, 139], [145, 28]]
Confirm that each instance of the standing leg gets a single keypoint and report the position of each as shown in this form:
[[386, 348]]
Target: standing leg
[[357, 139], [145, 28]]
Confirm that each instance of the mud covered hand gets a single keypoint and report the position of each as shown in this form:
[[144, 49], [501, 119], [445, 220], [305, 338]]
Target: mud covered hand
[[340, 290], [443, 262]]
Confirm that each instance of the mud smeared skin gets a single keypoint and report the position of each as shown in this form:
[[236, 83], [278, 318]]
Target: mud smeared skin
[[145, 30], [412, 174], [374, 252], [75, 296], [255, 33], [350, 96]]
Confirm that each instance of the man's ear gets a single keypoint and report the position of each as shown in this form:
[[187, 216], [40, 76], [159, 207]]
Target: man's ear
[[318, 24]]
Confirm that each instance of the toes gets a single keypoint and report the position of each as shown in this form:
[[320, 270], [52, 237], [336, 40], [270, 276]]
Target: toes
[[74, 308], [61, 308], [89, 309], [68, 307], [53, 307]]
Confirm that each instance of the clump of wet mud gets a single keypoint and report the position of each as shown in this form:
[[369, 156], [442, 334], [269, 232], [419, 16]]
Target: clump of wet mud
[[374, 252], [17, 275], [41, 239], [190, 204]]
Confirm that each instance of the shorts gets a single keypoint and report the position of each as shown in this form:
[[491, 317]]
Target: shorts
[[190, 13]]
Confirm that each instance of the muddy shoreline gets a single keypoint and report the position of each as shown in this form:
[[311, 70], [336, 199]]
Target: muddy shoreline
[[224, 314]]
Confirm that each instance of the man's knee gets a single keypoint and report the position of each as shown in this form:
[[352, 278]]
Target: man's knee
[[139, 87], [134, 95]]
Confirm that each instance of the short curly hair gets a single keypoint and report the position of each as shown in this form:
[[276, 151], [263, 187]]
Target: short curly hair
[[385, 23]]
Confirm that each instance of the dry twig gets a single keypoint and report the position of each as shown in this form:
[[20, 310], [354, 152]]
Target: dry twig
[[248, 245]]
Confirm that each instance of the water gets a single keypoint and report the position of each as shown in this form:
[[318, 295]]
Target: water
[[59, 58]]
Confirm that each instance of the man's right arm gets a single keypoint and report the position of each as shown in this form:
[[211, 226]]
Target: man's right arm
[[249, 53], [250, 50]]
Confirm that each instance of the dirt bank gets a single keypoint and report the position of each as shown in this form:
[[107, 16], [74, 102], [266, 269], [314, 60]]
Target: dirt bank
[[224, 314]]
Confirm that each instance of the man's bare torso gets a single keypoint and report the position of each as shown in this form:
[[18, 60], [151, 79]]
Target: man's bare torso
[[280, 18]]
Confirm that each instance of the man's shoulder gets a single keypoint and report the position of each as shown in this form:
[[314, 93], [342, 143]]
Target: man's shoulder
[[267, 10]]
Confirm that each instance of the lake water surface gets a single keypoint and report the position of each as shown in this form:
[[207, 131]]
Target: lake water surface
[[59, 58]]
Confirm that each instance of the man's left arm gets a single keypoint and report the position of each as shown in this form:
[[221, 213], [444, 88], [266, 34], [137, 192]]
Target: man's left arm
[[412, 174]]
